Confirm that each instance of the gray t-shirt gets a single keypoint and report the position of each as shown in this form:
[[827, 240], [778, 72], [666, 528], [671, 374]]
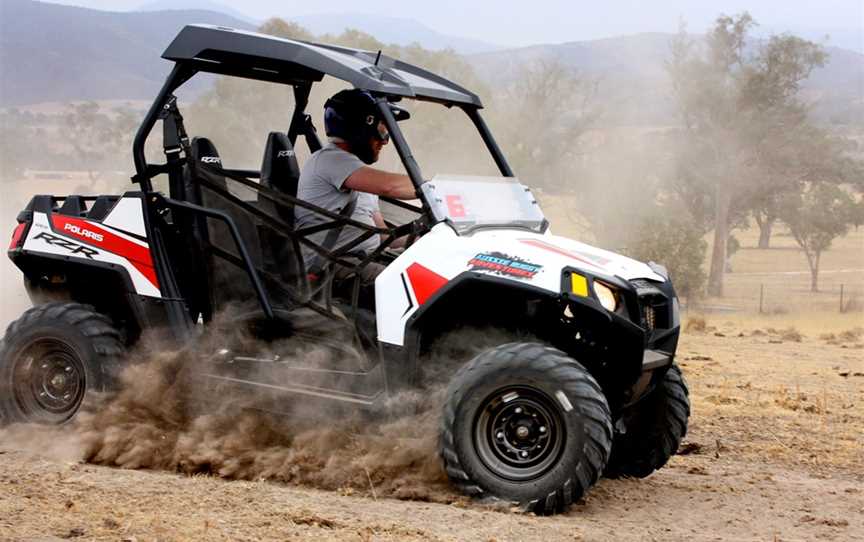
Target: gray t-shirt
[[321, 184]]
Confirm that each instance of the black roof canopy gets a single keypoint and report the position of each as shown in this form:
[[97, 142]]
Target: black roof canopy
[[239, 53]]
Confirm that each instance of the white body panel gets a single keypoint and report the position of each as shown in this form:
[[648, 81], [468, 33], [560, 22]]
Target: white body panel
[[441, 255], [127, 215], [37, 243]]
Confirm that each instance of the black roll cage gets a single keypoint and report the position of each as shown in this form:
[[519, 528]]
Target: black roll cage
[[176, 142]]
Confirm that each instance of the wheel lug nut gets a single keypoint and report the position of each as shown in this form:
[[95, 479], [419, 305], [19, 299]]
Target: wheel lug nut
[[518, 410], [68, 369], [524, 454], [500, 435], [542, 428]]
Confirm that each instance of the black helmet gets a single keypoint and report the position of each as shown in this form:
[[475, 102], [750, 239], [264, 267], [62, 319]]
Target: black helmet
[[353, 116]]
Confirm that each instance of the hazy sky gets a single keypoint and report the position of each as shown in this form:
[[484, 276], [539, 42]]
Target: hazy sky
[[511, 22]]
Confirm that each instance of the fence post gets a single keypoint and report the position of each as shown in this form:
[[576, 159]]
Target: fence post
[[842, 309], [761, 296]]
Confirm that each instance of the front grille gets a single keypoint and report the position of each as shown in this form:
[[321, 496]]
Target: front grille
[[650, 317], [653, 306]]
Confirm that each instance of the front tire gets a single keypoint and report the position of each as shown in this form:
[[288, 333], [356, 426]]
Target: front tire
[[52, 358], [654, 428], [525, 423]]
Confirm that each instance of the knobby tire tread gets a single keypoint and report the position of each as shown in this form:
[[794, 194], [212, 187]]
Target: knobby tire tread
[[583, 390]]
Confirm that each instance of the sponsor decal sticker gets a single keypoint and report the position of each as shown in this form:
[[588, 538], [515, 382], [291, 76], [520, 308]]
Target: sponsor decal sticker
[[498, 263]]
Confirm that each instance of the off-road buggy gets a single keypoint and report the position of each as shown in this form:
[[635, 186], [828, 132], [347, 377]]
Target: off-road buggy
[[537, 423]]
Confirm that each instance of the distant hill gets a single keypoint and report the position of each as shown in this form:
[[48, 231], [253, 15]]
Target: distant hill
[[394, 30], [198, 5], [634, 85], [50, 52]]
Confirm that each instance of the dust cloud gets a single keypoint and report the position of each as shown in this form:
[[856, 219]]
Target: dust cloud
[[162, 418]]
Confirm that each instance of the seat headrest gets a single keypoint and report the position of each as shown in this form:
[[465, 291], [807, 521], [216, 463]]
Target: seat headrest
[[279, 169], [204, 151]]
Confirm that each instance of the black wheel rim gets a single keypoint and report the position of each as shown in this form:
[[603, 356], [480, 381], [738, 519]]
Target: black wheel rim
[[49, 381], [519, 433]]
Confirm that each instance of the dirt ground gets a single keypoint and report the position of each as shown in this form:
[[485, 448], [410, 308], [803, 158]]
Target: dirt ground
[[775, 451]]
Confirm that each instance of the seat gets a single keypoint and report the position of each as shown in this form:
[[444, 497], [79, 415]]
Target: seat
[[227, 281], [279, 172]]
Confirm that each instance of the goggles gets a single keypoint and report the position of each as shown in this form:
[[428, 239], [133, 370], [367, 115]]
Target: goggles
[[383, 133]]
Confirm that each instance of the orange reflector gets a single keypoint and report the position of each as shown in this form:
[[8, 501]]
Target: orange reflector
[[578, 285]]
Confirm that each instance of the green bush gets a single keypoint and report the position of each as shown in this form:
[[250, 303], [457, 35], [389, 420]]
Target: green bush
[[676, 244]]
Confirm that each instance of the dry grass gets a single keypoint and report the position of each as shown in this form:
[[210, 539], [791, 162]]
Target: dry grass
[[789, 390], [848, 327]]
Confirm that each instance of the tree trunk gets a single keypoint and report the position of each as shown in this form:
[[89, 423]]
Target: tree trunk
[[814, 272], [721, 237], [765, 227]]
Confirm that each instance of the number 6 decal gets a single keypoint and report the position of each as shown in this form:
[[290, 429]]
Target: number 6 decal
[[455, 207]]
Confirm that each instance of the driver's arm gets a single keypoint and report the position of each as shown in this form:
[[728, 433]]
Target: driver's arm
[[378, 218], [382, 183]]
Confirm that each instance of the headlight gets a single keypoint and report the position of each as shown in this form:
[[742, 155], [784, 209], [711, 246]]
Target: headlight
[[606, 296]]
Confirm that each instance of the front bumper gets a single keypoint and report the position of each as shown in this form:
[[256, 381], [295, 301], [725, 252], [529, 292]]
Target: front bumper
[[635, 344], [655, 359]]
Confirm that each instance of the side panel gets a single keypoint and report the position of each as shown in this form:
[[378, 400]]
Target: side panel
[[439, 257], [523, 257], [83, 240]]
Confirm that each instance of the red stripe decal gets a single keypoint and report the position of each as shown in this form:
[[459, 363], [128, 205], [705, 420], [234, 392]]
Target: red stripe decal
[[92, 234], [424, 282], [552, 248]]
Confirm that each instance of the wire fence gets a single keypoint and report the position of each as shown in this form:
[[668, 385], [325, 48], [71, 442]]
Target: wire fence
[[790, 294]]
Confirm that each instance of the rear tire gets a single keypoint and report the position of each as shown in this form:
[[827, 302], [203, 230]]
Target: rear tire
[[52, 358], [524, 423], [654, 426]]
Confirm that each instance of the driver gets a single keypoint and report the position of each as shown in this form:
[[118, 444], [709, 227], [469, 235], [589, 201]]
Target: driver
[[336, 177]]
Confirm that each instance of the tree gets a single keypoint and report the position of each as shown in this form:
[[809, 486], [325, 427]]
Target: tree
[[100, 139], [547, 109], [19, 143], [815, 217], [676, 244], [734, 104], [82, 129], [806, 154], [285, 29]]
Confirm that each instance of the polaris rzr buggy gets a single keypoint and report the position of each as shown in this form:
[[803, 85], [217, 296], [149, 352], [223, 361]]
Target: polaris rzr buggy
[[593, 391]]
